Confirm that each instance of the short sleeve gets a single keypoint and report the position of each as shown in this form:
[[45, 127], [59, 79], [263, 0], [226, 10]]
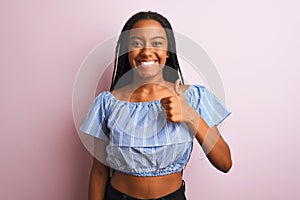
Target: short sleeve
[[94, 123], [209, 106]]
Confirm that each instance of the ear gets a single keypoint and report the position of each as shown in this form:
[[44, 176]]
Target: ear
[[168, 54]]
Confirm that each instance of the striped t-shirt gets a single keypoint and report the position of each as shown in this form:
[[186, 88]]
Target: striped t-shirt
[[139, 140]]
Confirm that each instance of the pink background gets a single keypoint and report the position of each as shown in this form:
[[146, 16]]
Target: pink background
[[254, 45]]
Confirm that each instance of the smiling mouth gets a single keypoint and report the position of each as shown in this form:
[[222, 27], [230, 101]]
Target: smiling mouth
[[147, 63]]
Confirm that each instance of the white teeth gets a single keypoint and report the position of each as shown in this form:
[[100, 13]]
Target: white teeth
[[148, 63]]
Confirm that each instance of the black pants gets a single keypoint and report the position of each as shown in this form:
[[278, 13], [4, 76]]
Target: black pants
[[112, 193]]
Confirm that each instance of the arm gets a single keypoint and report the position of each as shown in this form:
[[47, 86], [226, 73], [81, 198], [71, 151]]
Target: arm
[[214, 146], [98, 180], [178, 110]]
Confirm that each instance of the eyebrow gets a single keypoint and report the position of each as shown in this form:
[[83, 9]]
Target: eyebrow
[[156, 37]]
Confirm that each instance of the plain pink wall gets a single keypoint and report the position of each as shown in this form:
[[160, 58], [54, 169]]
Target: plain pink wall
[[255, 47]]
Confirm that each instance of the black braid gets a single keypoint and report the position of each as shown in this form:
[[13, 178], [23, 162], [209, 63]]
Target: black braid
[[121, 63]]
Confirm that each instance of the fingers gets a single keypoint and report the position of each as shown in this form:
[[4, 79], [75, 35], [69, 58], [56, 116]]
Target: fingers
[[176, 87], [171, 108], [165, 100], [170, 114], [171, 105], [165, 103], [168, 100], [167, 106]]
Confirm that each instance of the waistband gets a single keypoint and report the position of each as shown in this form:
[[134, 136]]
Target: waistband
[[114, 194]]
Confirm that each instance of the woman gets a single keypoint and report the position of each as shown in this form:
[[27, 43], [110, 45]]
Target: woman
[[148, 120]]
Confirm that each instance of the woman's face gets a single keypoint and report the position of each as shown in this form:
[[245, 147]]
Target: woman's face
[[147, 47]]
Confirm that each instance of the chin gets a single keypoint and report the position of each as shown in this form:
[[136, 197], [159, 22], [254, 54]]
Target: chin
[[149, 70], [146, 75]]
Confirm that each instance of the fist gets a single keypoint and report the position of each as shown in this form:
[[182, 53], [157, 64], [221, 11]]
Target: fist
[[175, 107]]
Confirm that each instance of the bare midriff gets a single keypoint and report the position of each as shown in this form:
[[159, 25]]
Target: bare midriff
[[146, 187]]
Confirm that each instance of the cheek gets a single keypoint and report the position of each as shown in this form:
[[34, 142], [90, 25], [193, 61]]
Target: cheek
[[131, 57], [163, 55], [132, 54]]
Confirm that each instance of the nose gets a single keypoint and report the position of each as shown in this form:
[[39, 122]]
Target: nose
[[146, 51]]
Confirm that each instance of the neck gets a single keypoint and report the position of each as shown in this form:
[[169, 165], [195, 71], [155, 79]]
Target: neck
[[150, 88], [148, 85], [147, 90]]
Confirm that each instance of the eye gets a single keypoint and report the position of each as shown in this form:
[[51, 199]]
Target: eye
[[157, 43], [136, 44]]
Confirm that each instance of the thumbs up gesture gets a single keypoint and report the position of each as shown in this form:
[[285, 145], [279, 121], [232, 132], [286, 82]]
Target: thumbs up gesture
[[175, 107]]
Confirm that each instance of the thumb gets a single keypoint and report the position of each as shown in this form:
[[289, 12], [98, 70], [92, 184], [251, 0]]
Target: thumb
[[176, 87]]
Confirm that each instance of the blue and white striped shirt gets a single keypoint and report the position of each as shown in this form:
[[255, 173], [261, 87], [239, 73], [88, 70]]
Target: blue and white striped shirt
[[139, 140]]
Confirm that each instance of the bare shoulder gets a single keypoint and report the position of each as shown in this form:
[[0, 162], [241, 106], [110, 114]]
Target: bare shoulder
[[184, 87], [181, 87], [121, 93]]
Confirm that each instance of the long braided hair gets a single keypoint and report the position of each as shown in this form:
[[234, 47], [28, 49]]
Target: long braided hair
[[121, 62]]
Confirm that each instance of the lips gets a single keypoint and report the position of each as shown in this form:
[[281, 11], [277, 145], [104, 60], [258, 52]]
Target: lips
[[146, 62]]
